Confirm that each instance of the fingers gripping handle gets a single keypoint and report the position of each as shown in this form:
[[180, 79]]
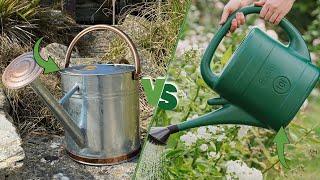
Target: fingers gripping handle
[[296, 43]]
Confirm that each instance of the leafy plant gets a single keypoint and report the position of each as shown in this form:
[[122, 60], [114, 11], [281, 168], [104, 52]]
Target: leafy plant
[[17, 19], [313, 34]]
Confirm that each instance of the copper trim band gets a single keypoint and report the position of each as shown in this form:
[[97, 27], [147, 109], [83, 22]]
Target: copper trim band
[[108, 161]]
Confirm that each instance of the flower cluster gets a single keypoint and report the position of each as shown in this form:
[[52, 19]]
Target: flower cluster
[[209, 133], [203, 133], [239, 170]]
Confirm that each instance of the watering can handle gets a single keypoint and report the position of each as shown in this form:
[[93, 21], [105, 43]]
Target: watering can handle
[[296, 43], [110, 28]]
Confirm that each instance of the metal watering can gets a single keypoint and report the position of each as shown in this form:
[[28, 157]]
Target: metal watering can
[[100, 107], [264, 84]]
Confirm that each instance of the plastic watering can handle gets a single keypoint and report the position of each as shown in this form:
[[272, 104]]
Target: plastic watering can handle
[[117, 31], [296, 43]]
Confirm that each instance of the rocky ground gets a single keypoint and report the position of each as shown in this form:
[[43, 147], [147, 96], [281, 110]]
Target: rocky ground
[[45, 158]]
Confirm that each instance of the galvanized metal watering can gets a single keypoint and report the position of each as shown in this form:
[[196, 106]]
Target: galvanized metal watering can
[[264, 84], [100, 107]]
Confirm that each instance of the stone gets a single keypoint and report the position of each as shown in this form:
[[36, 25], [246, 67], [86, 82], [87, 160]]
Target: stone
[[4, 105], [95, 44], [60, 176], [11, 152], [57, 52]]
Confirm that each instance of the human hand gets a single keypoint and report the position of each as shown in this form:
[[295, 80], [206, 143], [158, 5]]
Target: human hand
[[231, 7], [274, 10]]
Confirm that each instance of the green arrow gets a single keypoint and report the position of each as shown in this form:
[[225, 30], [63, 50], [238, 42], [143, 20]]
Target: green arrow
[[49, 66], [280, 139]]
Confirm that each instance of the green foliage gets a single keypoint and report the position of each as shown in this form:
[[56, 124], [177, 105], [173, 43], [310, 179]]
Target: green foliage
[[16, 19], [313, 33], [301, 14]]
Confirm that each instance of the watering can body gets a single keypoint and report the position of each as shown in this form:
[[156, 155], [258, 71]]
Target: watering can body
[[267, 79], [100, 107], [103, 100], [263, 78], [106, 109]]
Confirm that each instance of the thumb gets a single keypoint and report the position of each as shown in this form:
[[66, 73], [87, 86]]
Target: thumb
[[224, 16], [260, 3]]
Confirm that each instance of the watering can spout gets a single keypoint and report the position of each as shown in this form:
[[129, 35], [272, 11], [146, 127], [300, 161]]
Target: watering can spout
[[228, 114], [24, 71], [59, 112]]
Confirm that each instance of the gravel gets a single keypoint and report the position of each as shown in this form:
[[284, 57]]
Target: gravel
[[47, 159]]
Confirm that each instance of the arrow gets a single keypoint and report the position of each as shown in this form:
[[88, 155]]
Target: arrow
[[49, 65], [280, 139]]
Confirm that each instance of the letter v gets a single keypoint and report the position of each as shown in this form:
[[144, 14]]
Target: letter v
[[153, 92]]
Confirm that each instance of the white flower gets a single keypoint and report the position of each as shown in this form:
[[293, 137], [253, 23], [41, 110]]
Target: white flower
[[202, 130], [239, 170], [182, 94], [202, 133], [183, 74], [221, 128], [221, 137], [213, 155], [218, 5], [316, 42], [189, 138], [194, 116], [315, 92], [213, 129], [243, 131], [203, 147], [314, 57]]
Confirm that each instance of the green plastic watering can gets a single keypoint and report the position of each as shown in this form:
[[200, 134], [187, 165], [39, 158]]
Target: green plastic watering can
[[264, 84]]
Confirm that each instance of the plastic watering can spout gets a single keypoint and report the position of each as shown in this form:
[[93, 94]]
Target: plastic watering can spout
[[296, 43], [228, 114]]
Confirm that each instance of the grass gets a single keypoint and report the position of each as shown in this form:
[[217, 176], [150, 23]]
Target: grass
[[17, 19], [154, 30]]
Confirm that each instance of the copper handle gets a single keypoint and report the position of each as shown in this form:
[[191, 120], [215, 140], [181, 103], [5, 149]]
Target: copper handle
[[110, 28]]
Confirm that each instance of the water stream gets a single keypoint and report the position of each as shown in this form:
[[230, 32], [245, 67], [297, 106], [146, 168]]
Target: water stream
[[150, 166]]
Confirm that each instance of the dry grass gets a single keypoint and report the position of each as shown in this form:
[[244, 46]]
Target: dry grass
[[154, 29]]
